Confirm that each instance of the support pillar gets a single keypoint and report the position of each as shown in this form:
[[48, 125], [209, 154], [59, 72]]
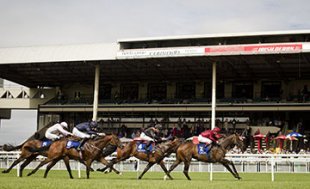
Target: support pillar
[[96, 92]]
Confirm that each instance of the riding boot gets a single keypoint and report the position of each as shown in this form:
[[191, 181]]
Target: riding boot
[[147, 150], [81, 144]]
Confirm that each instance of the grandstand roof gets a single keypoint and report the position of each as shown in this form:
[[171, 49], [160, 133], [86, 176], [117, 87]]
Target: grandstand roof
[[60, 65]]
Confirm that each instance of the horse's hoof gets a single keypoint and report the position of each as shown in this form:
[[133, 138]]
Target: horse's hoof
[[5, 171], [120, 173], [239, 178], [165, 177]]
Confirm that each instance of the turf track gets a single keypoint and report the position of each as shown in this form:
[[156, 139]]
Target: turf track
[[59, 179]]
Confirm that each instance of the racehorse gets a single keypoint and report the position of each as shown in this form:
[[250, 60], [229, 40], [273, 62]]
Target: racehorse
[[162, 150], [188, 150], [92, 151]]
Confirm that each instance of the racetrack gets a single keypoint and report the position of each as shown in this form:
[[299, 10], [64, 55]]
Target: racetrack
[[153, 180]]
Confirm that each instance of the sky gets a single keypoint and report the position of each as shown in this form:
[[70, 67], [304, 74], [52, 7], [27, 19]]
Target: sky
[[54, 22], [66, 22]]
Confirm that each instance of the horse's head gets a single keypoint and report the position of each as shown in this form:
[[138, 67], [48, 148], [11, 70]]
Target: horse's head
[[238, 141], [115, 141]]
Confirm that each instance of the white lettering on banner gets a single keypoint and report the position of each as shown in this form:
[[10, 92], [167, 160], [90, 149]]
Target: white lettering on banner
[[149, 53]]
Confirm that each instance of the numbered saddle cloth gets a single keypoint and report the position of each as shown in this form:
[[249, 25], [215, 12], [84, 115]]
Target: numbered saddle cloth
[[46, 143], [72, 144]]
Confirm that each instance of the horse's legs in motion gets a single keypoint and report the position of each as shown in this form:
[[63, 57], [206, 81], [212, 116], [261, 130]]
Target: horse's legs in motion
[[233, 171], [26, 162], [47, 160], [149, 165], [162, 165], [105, 162], [66, 160], [14, 164], [49, 166], [186, 168], [88, 168], [174, 165]]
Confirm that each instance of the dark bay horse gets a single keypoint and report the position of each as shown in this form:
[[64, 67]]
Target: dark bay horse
[[162, 150], [189, 150], [92, 151]]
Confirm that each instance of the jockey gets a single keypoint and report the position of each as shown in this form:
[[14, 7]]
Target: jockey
[[151, 135], [210, 136], [56, 131], [85, 130]]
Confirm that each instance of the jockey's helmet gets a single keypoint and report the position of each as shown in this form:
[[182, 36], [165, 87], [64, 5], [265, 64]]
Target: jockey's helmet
[[93, 124], [64, 124], [158, 126], [216, 129]]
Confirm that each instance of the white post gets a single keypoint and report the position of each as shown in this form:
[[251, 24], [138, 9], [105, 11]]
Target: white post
[[96, 92], [79, 169], [272, 168], [213, 107]]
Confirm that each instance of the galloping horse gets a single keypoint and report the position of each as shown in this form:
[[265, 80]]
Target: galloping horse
[[92, 151], [189, 150], [162, 150]]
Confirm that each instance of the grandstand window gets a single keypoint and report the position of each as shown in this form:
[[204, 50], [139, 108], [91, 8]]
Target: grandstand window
[[129, 91], [242, 90], [186, 90], [271, 89], [157, 91], [105, 91]]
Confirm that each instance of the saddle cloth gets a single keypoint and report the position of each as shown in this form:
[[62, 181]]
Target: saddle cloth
[[203, 148], [46, 143], [72, 144], [141, 145]]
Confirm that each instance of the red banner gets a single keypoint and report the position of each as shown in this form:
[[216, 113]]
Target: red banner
[[272, 48]]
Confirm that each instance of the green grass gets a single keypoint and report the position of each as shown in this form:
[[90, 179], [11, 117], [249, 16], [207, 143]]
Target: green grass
[[60, 179]]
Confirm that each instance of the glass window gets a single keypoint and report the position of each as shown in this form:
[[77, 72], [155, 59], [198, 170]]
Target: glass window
[[157, 91], [130, 91], [105, 91], [242, 90], [186, 90], [271, 89]]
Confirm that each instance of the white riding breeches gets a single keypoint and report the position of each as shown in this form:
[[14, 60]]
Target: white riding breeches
[[80, 134], [51, 136], [204, 139], [145, 137]]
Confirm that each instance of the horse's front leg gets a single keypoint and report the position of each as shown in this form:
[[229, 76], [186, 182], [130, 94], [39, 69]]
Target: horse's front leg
[[49, 166], [233, 171], [149, 165], [162, 165], [105, 162]]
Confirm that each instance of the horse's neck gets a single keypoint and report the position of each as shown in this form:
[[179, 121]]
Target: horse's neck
[[227, 143], [100, 143]]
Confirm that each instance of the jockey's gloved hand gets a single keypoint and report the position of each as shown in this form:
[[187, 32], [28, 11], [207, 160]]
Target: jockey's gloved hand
[[93, 136]]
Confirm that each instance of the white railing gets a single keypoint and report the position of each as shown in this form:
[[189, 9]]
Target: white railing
[[267, 163]]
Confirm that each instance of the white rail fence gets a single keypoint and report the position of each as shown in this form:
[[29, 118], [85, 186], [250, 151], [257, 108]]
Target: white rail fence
[[245, 163]]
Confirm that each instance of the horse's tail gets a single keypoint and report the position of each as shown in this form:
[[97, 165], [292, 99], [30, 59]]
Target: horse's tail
[[10, 147], [41, 149]]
